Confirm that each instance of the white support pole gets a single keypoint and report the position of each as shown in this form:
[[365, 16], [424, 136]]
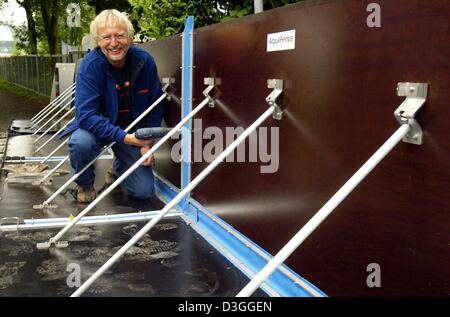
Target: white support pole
[[127, 129], [326, 210], [64, 160], [128, 172], [57, 158], [54, 124], [56, 105], [39, 224], [54, 151], [54, 136], [173, 202], [65, 107], [76, 175], [47, 107]]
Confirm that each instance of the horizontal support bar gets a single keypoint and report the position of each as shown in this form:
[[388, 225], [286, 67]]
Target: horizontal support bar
[[37, 224], [26, 159]]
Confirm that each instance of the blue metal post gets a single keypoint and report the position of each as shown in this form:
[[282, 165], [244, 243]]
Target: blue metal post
[[187, 86]]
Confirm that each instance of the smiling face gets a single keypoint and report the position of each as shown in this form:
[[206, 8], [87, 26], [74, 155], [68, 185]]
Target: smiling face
[[114, 42]]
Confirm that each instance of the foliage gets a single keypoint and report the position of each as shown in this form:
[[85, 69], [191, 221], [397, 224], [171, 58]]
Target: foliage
[[244, 7], [151, 18], [100, 5], [160, 18]]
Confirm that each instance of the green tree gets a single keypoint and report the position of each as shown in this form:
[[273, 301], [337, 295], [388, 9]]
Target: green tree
[[100, 5], [236, 9], [47, 25], [31, 37], [50, 11], [160, 18]]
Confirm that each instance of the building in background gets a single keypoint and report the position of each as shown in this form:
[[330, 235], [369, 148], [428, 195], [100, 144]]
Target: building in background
[[6, 41]]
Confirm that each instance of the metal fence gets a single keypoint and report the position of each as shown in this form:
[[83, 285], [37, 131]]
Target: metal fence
[[34, 72]]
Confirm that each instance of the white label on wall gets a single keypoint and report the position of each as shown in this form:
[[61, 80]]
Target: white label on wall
[[281, 41]]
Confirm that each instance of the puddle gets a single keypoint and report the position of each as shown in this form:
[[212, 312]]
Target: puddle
[[78, 251], [84, 234], [65, 291], [33, 237], [130, 230], [52, 270], [145, 288], [13, 249], [130, 276], [148, 249], [170, 262], [197, 288], [98, 256], [156, 246], [163, 255], [166, 226], [9, 273], [83, 237], [100, 287]]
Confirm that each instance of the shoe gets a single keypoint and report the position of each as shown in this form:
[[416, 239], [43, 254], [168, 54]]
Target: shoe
[[110, 177], [85, 194]]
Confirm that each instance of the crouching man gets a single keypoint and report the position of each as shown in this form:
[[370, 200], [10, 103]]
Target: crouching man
[[116, 82]]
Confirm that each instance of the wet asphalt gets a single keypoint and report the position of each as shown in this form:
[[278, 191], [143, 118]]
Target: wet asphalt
[[171, 260]]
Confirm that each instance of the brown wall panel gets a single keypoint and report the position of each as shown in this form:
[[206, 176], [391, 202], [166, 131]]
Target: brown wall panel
[[167, 55], [339, 100]]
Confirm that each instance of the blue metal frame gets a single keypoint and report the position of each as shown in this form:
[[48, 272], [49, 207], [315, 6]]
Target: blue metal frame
[[187, 73], [238, 249]]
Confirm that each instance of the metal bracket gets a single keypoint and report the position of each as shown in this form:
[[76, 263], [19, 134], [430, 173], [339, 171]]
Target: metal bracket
[[167, 81], [52, 244], [210, 81], [416, 94], [47, 182], [271, 99], [11, 221], [45, 206]]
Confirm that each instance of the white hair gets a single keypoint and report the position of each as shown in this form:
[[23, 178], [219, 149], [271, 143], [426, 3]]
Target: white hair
[[110, 18]]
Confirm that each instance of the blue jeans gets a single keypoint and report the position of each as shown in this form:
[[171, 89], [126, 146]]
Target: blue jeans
[[84, 147]]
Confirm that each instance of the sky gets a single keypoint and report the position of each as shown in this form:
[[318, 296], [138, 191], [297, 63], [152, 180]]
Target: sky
[[5, 34], [13, 13]]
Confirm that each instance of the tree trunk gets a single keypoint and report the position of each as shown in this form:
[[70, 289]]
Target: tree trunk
[[31, 26], [50, 15]]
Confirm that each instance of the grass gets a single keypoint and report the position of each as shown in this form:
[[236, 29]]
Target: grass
[[23, 92]]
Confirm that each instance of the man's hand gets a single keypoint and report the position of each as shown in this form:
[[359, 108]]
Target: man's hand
[[145, 146], [130, 139], [149, 161]]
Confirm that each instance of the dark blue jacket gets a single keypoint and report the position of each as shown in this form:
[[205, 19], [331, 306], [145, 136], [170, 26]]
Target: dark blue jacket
[[96, 102]]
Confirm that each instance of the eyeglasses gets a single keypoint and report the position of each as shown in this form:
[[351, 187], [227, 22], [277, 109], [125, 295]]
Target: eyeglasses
[[109, 37]]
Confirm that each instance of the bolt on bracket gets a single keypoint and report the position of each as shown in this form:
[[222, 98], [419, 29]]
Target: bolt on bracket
[[271, 99], [167, 81], [416, 94], [210, 81]]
